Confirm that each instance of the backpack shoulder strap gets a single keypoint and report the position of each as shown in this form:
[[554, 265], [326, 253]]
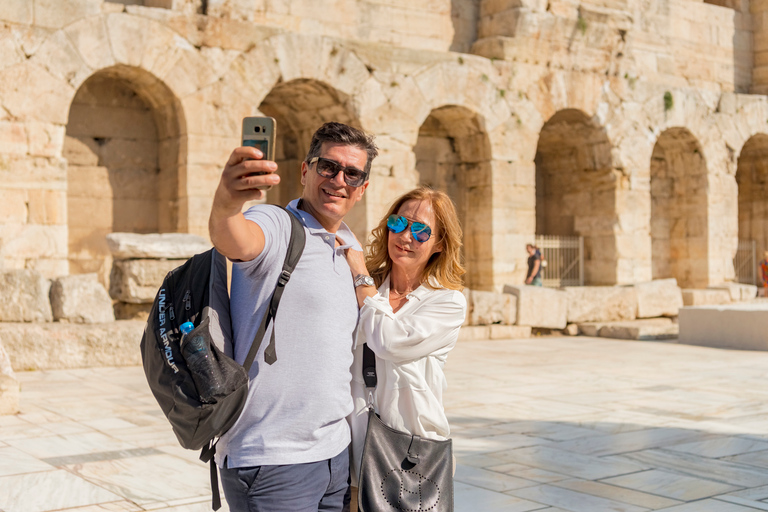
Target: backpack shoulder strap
[[292, 256]]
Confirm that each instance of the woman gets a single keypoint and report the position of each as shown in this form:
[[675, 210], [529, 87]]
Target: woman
[[412, 321]]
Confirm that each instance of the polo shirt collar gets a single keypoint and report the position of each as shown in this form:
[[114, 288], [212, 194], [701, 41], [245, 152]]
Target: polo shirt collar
[[315, 228]]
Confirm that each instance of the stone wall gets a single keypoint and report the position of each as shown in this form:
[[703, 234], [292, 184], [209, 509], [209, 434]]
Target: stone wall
[[565, 119]]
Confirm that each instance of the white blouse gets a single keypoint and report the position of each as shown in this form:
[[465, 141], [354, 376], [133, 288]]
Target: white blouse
[[411, 347]]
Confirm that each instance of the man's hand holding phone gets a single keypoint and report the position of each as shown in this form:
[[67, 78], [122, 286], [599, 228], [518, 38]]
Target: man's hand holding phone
[[246, 177]]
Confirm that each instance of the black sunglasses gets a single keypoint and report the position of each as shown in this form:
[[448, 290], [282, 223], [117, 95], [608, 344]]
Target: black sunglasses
[[326, 168]]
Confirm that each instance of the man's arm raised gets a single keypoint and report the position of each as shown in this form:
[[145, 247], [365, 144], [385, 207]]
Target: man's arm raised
[[233, 236]]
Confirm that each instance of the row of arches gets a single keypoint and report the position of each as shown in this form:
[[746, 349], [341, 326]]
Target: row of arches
[[126, 144]]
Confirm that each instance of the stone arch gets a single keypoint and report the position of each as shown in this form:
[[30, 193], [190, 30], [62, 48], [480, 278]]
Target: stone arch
[[453, 154], [464, 85], [752, 181], [300, 106], [679, 220], [576, 190], [123, 145]]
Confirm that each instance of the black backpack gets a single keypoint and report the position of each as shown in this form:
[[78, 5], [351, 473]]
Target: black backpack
[[197, 292]]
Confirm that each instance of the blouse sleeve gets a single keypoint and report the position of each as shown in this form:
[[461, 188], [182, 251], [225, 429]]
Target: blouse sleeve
[[418, 333]]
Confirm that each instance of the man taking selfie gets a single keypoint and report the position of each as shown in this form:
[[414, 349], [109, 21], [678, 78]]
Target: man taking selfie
[[288, 450]]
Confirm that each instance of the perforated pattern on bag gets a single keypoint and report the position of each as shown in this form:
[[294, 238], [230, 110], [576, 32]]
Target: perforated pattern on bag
[[410, 491]]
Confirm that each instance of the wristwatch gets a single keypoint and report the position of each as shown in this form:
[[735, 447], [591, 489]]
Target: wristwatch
[[363, 280]]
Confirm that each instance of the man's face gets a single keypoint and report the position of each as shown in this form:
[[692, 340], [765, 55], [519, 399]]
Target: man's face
[[330, 199], [530, 249]]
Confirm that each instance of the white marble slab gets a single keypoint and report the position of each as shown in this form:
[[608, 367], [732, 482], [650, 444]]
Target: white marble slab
[[469, 498], [113, 506], [14, 462], [534, 474], [463, 446], [612, 492], [759, 505], [572, 500], [491, 480], [672, 485], [49, 490], [149, 479], [70, 444], [629, 441], [550, 430], [708, 505], [685, 463], [569, 463], [721, 447]]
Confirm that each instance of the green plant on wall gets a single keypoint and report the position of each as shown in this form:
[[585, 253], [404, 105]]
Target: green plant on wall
[[581, 24], [668, 101]]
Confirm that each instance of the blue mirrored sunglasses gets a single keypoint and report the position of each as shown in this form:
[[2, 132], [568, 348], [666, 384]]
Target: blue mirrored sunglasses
[[398, 223]]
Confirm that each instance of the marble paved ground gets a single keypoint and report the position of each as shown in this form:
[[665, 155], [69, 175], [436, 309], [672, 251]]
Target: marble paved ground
[[543, 424]]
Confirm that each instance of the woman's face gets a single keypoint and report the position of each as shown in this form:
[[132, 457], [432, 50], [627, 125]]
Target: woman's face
[[406, 252]]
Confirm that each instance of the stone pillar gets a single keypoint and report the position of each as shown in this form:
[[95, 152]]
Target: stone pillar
[[722, 226], [513, 220], [759, 11], [633, 236]]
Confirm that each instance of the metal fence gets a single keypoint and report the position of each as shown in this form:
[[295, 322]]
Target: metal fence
[[745, 262], [564, 256]]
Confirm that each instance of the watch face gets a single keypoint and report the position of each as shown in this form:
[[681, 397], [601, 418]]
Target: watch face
[[363, 280]]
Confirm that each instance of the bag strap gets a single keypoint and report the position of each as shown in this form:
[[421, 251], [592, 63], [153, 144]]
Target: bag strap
[[369, 374], [369, 367], [206, 455], [292, 256]]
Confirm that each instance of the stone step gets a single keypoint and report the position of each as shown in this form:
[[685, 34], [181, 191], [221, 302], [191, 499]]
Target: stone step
[[651, 329], [53, 346], [494, 332]]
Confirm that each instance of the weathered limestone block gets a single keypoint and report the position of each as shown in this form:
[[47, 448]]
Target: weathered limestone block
[[647, 330], [61, 345], [661, 297], [137, 281], [486, 308], [734, 326], [128, 311], [475, 333], [711, 297], [600, 303], [9, 386], [494, 332], [571, 330], [81, 299], [510, 332], [590, 328], [24, 297], [739, 292], [540, 307], [156, 245]]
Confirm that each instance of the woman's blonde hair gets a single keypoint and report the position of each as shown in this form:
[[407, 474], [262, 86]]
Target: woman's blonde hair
[[443, 267]]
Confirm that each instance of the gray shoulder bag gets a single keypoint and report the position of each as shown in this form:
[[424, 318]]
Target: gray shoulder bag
[[401, 471]]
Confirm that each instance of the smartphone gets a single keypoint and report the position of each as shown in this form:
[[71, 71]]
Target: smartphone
[[260, 133]]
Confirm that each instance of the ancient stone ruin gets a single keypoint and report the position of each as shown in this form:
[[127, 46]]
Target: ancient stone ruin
[[640, 127]]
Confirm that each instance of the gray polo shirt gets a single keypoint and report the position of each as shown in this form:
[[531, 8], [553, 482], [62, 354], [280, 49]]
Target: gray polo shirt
[[296, 408]]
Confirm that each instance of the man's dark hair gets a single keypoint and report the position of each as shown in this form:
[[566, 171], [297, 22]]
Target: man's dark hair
[[338, 133]]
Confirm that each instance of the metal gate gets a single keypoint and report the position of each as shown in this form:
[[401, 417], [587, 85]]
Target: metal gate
[[564, 256], [745, 262]]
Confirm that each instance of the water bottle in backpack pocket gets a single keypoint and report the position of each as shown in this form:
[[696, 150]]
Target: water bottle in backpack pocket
[[197, 353]]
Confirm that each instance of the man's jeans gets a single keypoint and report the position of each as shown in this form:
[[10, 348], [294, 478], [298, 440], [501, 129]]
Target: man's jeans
[[312, 487]]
